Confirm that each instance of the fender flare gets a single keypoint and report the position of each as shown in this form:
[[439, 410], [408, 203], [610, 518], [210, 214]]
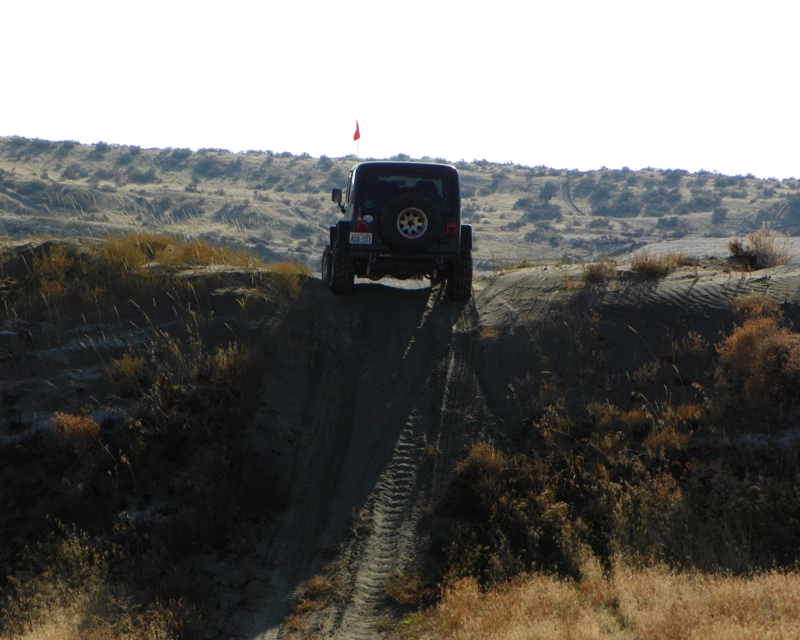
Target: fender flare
[[340, 232], [465, 242]]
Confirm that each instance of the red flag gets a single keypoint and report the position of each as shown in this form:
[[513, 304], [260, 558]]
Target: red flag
[[357, 134]]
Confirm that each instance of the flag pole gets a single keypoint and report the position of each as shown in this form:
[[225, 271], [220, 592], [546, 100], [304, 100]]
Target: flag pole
[[356, 138]]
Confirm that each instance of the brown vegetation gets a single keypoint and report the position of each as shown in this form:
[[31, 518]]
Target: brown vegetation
[[764, 249], [658, 266], [97, 514]]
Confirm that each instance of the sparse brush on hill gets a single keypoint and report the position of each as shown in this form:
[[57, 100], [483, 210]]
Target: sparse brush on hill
[[113, 503], [277, 204], [642, 483]]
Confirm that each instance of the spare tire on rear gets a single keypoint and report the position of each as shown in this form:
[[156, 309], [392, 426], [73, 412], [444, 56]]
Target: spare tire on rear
[[410, 222]]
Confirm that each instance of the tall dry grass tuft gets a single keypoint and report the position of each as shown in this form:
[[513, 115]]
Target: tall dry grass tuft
[[599, 272], [289, 277], [78, 433], [658, 265], [764, 249], [131, 252]]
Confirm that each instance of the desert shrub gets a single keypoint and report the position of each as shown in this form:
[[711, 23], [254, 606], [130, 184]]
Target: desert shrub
[[659, 201], [719, 215], [791, 213], [722, 182], [548, 191], [38, 146], [701, 201], [497, 179], [673, 177], [508, 517], [142, 176], [74, 171], [53, 269], [208, 167], [668, 222], [129, 374], [599, 272], [759, 369], [98, 152], [537, 210], [79, 433], [102, 173], [756, 306], [232, 210], [173, 159], [763, 249], [64, 147], [657, 265], [599, 223]]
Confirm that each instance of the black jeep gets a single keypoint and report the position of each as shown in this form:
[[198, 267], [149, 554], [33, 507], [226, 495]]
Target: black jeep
[[403, 220]]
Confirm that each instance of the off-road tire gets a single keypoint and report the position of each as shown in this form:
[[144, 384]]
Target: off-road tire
[[410, 222], [459, 280], [326, 266], [342, 272]]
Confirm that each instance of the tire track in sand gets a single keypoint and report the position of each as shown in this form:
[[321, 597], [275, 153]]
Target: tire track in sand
[[433, 436], [374, 378]]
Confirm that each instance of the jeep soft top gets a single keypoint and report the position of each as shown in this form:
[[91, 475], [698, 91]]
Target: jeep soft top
[[402, 219]]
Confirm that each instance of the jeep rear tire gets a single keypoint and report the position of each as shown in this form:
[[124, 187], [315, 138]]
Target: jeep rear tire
[[326, 264], [410, 222], [459, 279], [342, 272]]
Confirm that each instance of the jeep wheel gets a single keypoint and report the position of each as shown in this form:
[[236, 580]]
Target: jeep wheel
[[326, 264], [410, 222], [459, 279], [342, 272]]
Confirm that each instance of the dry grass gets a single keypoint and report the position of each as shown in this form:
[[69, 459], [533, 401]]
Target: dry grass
[[756, 306], [764, 248], [289, 277], [759, 367], [78, 433], [71, 599], [599, 272], [658, 265], [658, 603], [189, 400], [643, 604], [131, 252]]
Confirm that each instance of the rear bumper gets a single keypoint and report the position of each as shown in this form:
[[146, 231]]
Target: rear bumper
[[378, 263]]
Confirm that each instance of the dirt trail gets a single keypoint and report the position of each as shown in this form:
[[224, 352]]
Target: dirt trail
[[380, 408]]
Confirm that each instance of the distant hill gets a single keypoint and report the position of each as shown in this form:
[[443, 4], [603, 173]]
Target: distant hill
[[279, 204]]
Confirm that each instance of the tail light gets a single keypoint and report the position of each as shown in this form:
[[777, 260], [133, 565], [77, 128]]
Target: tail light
[[451, 229], [362, 225]]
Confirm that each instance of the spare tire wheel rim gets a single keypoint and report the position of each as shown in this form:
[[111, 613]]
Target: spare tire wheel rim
[[412, 222]]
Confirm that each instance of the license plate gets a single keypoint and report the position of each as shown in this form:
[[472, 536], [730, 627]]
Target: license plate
[[357, 237]]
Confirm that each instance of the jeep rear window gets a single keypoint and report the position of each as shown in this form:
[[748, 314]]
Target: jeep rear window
[[378, 187]]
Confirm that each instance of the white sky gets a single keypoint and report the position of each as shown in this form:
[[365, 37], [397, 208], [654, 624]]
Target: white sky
[[576, 84]]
